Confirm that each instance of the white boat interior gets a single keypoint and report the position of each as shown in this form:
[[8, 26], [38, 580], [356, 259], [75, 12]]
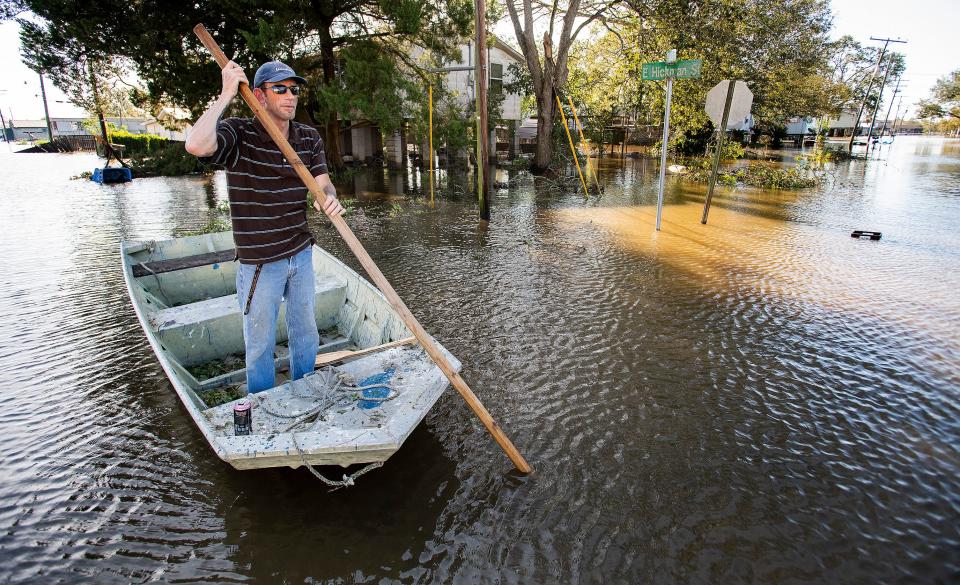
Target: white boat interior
[[359, 409]]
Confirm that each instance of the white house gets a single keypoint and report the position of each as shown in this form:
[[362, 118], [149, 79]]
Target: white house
[[364, 142]]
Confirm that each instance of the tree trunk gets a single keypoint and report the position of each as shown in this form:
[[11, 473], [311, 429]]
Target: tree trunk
[[549, 74], [331, 139], [544, 152]]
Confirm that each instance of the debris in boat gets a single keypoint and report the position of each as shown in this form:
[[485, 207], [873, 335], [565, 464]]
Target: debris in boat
[[375, 390], [242, 418]]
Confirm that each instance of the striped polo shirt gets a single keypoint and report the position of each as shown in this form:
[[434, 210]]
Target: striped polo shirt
[[268, 207]]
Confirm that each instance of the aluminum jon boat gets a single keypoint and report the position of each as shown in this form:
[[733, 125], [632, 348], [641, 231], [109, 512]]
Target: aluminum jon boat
[[372, 387]]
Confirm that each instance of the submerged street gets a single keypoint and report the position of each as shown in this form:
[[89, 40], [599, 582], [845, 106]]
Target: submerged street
[[760, 399]]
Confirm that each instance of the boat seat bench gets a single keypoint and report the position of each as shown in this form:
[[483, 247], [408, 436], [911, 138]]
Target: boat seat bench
[[211, 329], [162, 266]]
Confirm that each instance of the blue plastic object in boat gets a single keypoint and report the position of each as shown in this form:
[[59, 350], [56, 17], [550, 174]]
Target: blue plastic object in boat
[[377, 391]]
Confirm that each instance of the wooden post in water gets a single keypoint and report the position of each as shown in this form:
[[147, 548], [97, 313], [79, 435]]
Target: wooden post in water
[[430, 148], [483, 157], [722, 133]]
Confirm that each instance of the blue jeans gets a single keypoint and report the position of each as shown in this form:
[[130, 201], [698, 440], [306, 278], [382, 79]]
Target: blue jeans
[[291, 279]]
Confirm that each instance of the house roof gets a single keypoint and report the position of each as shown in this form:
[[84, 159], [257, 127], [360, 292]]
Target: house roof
[[500, 44]]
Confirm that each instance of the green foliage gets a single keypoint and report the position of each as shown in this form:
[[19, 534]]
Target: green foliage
[[340, 46], [517, 80], [755, 175], [391, 94], [453, 127], [779, 47], [944, 99], [216, 368], [165, 159], [138, 144], [824, 154], [223, 395], [853, 66]]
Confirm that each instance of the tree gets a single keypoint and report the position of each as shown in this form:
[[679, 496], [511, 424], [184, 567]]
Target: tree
[[944, 99], [779, 47], [548, 69], [355, 53]]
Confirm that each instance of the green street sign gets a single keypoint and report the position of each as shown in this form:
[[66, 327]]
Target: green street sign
[[659, 70]]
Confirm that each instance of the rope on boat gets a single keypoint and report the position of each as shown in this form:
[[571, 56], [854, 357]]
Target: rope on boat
[[347, 481], [341, 392]]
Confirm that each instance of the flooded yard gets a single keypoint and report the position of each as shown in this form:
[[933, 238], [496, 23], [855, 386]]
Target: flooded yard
[[761, 399]]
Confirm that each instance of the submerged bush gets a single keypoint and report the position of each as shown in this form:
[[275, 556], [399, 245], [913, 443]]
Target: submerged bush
[[167, 160], [137, 144], [764, 176]]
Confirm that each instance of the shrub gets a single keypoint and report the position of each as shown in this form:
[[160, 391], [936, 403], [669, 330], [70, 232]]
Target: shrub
[[137, 144], [756, 176], [168, 159]]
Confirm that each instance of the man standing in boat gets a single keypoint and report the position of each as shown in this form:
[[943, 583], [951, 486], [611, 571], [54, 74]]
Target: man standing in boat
[[269, 215]]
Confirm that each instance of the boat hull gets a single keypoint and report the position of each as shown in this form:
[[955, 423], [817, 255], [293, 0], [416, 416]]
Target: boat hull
[[184, 296]]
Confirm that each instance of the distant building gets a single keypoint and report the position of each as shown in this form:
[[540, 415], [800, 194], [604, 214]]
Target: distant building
[[843, 125], [29, 130], [33, 130], [170, 123], [365, 141]]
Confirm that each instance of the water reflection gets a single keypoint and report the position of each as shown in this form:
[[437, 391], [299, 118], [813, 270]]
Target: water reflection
[[762, 398]]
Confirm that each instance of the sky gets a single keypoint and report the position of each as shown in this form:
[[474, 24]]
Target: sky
[[929, 27]]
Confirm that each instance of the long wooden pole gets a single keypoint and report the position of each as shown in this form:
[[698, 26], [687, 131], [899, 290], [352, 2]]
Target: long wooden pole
[[368, 264], [483, 132], [430, 149]]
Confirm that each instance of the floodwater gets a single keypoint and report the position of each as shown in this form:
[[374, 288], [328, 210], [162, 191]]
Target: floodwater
[[763, 399]]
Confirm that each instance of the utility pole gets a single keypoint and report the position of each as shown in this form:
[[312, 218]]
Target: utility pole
[[896, 90], [856, 123], [873, 119], [46, 111], [3, 123], [483, 136], [896, 118]]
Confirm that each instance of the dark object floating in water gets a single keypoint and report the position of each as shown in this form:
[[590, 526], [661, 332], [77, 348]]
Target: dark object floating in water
[[860, 234], [112, 175]]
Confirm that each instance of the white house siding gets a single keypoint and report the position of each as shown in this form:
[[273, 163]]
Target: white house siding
[[461, 83]]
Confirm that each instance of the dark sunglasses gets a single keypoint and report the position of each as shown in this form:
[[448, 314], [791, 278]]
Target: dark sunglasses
[[282, 89]]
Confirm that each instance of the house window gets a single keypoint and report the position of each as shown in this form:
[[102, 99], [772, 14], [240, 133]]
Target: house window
[[496, 78]]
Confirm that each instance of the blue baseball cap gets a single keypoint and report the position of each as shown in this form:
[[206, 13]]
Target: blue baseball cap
[[275, 71]]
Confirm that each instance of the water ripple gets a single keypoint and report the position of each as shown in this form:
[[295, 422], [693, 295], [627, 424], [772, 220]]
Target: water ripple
[[762, 399]]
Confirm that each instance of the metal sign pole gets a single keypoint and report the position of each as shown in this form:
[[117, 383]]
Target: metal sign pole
[[671, 57], [721, 133]]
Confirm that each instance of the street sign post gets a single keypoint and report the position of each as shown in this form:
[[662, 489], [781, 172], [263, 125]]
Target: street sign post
[[670, 69], [728, 101]]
